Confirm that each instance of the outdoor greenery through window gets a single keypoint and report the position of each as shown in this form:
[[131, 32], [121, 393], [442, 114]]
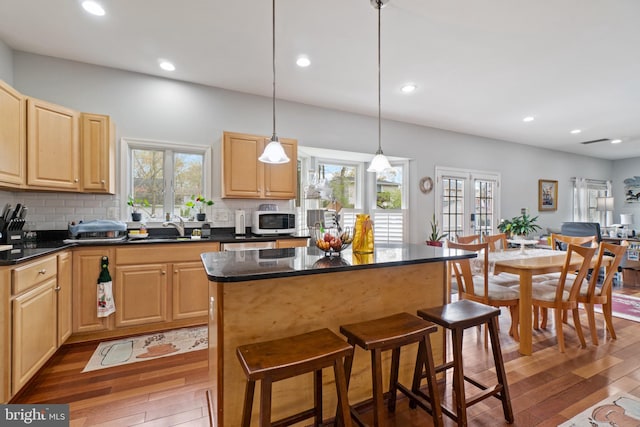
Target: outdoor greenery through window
[[165, 176]]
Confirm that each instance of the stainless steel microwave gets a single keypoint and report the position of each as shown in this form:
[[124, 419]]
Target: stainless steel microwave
[[273, 222]]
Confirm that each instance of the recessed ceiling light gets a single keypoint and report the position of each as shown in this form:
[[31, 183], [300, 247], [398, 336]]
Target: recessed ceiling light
[[408, 88], [528, 119], [576, 131], [166, 65], [93, 7], [303, 61], [616, 141]]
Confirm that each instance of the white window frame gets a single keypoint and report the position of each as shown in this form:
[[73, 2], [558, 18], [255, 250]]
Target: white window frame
[[129, 144], [372, 195]]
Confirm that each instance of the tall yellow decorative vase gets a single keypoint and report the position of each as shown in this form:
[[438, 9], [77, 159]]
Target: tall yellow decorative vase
[[363, 235]]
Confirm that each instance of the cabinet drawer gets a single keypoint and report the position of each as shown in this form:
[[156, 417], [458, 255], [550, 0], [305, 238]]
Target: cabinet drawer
[[160, 253], [29, 275]]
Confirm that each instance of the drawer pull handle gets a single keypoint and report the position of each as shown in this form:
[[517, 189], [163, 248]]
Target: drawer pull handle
[[43, 271], [57, 289]]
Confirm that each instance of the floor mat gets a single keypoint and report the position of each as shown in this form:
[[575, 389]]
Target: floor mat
[[624, 307], [619, 410], [145, 347]]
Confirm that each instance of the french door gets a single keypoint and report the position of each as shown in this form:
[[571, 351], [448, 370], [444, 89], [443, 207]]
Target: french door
[[467, 201]]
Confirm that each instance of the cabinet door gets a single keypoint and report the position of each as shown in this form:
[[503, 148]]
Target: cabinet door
[[86, 269], [140, 294], [34, 331], [292, 243], [52, 144], [190, 285], [281, 181], [98, 153], [242, 172], [64, 297], [13, 131]]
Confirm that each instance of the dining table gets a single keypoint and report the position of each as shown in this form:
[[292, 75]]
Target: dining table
[[526, 264]]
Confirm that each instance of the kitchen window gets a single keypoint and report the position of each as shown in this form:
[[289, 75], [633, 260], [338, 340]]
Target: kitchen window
[[329, 176], [165, 175]]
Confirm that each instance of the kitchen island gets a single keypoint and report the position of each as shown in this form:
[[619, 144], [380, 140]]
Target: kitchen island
[[259, 295]]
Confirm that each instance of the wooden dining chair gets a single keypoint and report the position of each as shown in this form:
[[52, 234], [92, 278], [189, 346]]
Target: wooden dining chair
[[591, 293], [563, 294], [560, 241], [479, 287], [472, 238], [496, 241]]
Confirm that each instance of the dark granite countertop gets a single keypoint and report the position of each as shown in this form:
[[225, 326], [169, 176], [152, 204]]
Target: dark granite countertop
[[50, 242], [272, 263]]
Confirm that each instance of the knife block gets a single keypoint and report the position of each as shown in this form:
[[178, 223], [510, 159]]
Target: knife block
[[12, 237]]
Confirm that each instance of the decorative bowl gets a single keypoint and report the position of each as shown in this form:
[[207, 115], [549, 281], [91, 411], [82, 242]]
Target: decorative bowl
[[332, 241]]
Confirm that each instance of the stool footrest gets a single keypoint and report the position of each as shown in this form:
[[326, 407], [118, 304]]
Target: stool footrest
[[486, 393], [292, 419], [417, 398]]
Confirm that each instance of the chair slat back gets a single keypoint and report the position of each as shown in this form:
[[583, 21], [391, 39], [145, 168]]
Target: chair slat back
[[587, 255], [462, 267], [557, 241], [618, 252], [472, 238], [492, 239]]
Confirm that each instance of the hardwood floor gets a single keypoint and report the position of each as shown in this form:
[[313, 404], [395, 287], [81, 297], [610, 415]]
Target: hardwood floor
[[546, 388]]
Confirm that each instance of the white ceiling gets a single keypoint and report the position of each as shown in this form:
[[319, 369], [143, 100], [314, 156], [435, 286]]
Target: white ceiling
[[480, 66]]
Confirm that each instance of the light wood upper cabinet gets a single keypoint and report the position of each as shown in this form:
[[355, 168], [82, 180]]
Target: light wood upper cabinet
[[13, 127], [53, 161], [98, 153], [245, 177]]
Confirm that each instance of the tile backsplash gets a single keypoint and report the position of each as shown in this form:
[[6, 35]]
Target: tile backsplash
[[54, 211]]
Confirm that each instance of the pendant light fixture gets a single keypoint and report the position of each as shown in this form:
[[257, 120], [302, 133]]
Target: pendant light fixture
[[379, 162], [273, 152]]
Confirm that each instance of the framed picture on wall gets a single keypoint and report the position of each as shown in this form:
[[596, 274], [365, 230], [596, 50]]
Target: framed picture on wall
[[547, 195]]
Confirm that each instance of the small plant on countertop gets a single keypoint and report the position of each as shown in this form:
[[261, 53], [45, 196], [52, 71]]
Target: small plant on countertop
[[199, 202], [136, 204], [435, 238]]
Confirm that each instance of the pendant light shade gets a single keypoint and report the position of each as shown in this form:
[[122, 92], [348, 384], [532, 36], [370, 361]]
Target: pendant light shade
[[379, 162], [274, 153]]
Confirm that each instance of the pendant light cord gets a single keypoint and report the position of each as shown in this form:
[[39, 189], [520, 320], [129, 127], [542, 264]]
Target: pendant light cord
[[273, 63], [379, 2]]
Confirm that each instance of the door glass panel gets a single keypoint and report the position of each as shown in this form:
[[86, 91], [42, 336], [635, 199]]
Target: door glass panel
[[452, 206]]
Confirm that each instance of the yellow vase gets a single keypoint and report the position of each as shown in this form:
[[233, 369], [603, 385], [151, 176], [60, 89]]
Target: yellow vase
[[363, 235]]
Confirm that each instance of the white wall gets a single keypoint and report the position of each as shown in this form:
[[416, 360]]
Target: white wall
[[155, 108], [6, 63]]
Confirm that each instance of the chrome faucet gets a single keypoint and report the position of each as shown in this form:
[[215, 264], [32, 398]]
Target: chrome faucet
[[179, 227]]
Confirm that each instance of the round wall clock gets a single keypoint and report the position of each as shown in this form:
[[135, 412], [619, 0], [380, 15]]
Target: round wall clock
[[426, 184]]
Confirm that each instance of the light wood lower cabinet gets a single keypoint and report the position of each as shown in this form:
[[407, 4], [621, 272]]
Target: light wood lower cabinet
[[64, 297], [34, 319], [34, 332], [86, 269], [140, 294], [292, 243], [156, 287], [190, 293]]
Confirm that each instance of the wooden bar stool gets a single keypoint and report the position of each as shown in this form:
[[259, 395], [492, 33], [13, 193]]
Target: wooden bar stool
[[275, 360], [391, 333], [457, 317]]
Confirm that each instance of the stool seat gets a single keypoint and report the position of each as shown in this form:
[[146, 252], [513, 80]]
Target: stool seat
[[275, 360], [392, 333], [457, 317], [461, 314]]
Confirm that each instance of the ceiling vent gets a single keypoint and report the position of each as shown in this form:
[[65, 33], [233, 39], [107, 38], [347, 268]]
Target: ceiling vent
[[595, 140]]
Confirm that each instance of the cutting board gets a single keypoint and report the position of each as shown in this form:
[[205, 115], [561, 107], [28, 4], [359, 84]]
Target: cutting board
[[5, 247]]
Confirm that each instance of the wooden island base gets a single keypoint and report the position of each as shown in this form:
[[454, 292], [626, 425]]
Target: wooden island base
[[244, 312]]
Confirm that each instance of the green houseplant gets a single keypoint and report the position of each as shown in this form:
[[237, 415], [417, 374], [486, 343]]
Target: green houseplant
[[199, 202], [519, 225], [136, 204], [435, 238]]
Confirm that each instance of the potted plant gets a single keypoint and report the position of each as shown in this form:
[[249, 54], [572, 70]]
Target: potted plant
[[136, 204], [519, 225], [435, 239], [199, 202]]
